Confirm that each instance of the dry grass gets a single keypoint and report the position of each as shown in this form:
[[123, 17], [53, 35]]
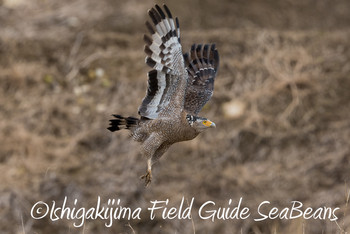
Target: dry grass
[[69, 65]]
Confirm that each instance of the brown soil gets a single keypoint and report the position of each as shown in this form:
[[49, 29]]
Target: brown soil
[[66, 66]]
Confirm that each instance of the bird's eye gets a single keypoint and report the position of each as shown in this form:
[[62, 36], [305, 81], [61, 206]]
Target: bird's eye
[[205, 122]]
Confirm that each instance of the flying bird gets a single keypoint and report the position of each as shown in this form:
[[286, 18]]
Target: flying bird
[[179, 85]]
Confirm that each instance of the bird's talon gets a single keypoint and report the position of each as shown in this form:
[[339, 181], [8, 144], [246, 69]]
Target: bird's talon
[[147, 177]]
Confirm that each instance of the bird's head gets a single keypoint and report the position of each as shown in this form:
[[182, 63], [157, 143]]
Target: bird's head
[[200, 123]]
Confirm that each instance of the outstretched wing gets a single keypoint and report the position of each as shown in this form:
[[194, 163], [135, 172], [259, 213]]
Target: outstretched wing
[[168, 80], [202, 65]]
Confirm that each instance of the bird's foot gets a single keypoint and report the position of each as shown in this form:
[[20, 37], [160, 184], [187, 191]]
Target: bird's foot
[[147, 177]]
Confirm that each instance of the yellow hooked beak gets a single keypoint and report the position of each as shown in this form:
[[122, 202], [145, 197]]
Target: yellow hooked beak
[[209, 124]]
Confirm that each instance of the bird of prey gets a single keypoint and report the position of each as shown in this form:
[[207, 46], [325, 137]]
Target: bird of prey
[[179, 85]]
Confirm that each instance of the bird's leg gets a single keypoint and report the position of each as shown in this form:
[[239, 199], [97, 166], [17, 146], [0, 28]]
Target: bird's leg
[[152, 149], [148, 175], [148, 149]]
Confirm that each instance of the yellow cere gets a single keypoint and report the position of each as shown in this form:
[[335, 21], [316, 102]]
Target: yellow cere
[[207, 123]]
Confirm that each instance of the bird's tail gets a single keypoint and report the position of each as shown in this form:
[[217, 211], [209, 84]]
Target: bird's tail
[[121, 122]]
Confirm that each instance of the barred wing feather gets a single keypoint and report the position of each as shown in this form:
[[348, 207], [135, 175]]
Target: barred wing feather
[[168, 80], [202, 64]]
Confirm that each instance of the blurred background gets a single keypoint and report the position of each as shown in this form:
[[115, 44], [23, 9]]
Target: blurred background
[[281, 105]]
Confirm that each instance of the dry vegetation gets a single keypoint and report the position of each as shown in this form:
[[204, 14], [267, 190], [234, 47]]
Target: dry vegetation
[[281, 104]]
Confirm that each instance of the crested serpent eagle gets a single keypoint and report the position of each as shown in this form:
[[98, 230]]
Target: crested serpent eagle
[[179, 85]]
